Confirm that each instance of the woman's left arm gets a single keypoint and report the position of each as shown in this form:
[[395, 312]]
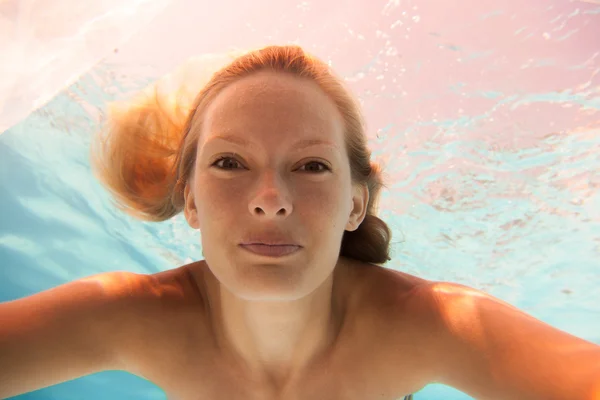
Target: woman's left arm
[[492, 350]]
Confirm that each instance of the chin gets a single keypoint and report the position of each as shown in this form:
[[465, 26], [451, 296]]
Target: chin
[[261, 279], [270, 282]]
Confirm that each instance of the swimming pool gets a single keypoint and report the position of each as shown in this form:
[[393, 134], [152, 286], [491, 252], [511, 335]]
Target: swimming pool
[[487, 117]]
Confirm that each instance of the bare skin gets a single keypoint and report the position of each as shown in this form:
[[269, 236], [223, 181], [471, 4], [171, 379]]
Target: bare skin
[[396, 334], [283, 328], [271, 165], [362, 360], [307, 325]]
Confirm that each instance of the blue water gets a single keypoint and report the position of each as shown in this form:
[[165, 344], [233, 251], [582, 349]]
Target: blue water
[[512, 211]]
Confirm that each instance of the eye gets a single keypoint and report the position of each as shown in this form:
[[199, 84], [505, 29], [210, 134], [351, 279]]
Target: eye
[[313, 166], [229, 165]]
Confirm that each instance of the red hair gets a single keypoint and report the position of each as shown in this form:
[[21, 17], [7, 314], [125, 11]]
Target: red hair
[[147, 153]]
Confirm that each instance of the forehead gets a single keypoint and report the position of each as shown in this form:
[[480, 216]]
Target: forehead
[[268, 104]]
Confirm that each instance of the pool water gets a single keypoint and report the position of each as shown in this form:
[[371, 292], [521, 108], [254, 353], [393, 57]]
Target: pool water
[[486, 117]]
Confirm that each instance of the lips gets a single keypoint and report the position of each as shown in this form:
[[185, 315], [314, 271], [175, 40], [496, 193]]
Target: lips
[[278, 250], [272, 240]]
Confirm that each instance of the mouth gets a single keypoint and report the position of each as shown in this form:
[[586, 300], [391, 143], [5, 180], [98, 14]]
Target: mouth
[[271, 250]]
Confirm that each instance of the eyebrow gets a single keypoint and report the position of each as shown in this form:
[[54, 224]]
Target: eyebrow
[[301, 144]]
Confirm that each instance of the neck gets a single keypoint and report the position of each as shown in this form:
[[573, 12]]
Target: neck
[[276, 340]]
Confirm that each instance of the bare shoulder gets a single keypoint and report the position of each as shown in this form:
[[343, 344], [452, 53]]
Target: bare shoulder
[[392, 325], [395, 304], [387, 289], [402, 324], [462, 337], [107, 321], [164, 313], [146, 294]]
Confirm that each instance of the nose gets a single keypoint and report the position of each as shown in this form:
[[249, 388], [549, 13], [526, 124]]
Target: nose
[[272, 199]]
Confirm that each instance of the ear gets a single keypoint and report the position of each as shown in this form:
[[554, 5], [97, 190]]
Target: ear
[[189, 207], [360, 200]]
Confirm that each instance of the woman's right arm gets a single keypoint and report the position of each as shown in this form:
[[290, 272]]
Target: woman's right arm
[[73, 330]]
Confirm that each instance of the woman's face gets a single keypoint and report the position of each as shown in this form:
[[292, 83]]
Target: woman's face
[[272, 168]]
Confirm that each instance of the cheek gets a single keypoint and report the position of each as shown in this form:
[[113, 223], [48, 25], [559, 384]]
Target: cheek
[[215, 202], [327, 207]]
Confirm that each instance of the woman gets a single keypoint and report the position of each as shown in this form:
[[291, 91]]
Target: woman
[[270, 164]]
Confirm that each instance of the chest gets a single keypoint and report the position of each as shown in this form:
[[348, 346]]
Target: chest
[[350, 376], [372, 358], [362, 365]]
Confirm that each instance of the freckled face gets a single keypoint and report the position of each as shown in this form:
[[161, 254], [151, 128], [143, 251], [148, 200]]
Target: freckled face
[[271, 164]]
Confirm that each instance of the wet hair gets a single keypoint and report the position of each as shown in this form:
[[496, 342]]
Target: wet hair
[[146, 153]]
